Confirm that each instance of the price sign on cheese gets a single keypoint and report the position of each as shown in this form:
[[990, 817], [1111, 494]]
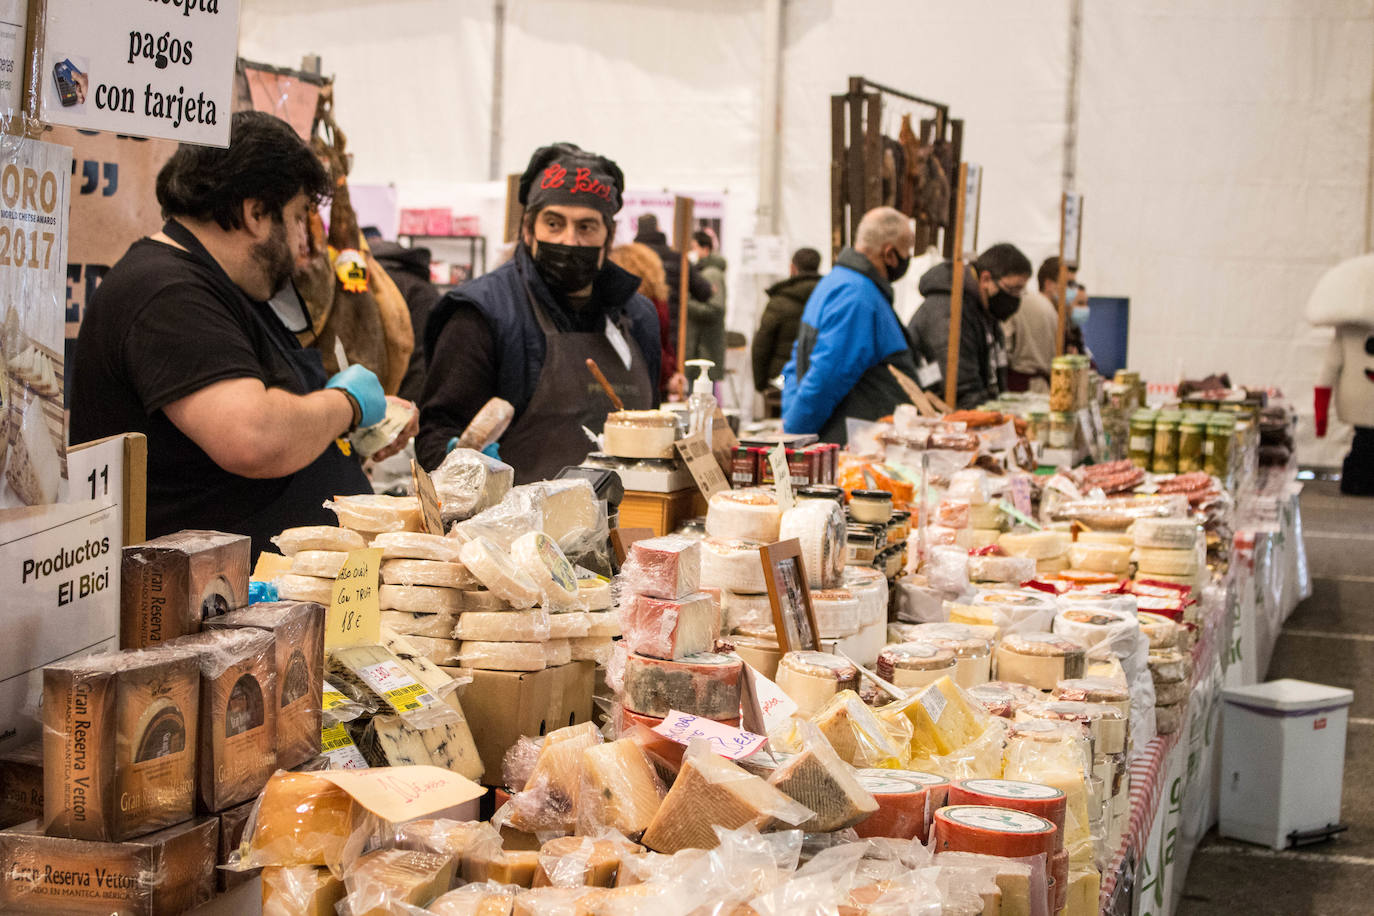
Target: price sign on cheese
[[400, 794], [763, 705], [782, 476], [702, 465], [355, 617], [734, 743]]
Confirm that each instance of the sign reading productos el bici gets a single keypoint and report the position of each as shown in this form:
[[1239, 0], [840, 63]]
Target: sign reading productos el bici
[[147, 68]]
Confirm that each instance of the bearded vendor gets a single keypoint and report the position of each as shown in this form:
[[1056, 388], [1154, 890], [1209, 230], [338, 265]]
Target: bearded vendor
[[525, 331]]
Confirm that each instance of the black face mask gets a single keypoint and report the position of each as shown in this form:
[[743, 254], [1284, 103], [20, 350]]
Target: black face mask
[[896, 273], [1003, 304], [567, 268]]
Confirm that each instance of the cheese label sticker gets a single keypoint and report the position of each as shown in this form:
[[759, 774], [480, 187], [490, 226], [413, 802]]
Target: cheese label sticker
[[333, 697], [934, 702], [727, 741], [343, 754], [391, 682], [355, 617], [1001, 820], [887, 785], [429, 499], [560, 570], [1011, 788]]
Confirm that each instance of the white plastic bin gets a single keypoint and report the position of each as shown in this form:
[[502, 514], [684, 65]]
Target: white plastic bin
[[1282, 760]]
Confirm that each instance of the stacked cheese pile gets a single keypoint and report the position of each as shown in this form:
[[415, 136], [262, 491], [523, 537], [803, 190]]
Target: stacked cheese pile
[[1170, 665], [317, 554], [1169, 550], [422, 591], [500, 628], [1101, 557], [738, 523], [1049, 549], [968, 515]]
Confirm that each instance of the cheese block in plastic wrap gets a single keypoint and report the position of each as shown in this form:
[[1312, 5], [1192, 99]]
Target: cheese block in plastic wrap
[[502, 656], [817, 778], [1105, 558], [901, 803], [993, 831], [735, 565], [494, 569], [416, 545], [1013, 570], [669, 628], [384, 880], [1168, 693], [1052, 566], [915, 664], [663, 567], [1038, 545], [1039, 659], [1161, 632], [603, 623], [1096, 598], [574, 624], [1095, 690], [971, 485], [916, 602], [712, 792], [571, 514], [1163, 561], [942, 719], [468, 482], [819, 526], [1169, 664], [1106, 538], [597, 649], [971, 645], [706, 685], [1093, 626], [1165, 533], [318, 537], [511, 868], [595, 593], [1002, 698], [751, 514], [987, 517], [745, 610], [580, 861], [406, 623], [301, 890], [812, 678], [870, 587], [481, 599], [1010, 611], [1003, 886], [540, 558], [370, 515], [1105, 722], [420, 599], [303, 819], [936, 786], [855, 733], [461, 841], [432, 573], [976, 538], [837, 612], [438, 650], [557, 652], [291, 587], [622, 792], [549, 798]]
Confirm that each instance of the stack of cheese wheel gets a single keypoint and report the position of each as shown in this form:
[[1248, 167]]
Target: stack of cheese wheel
[[915, 664], [1002, 698], [751, 514], [501, 628], [317, 554], [870, 587], [371, 515], [906, 799], [421, 591], [734, 566], [837, 612], [971, 645], [1109, 559], [969, 512], [745, 611], [1169, 668], [812, 678], [1039, 659], [564, 597], [992, 830], [1031, 798], [1049, 549], [819, 527], [1168, 550], [1059, 754], [1000, 569], [603, 626], [1009, 610]]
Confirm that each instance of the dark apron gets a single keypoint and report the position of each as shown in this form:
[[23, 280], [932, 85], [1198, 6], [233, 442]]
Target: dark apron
[[876, 394], [335, 472], [547, 436]]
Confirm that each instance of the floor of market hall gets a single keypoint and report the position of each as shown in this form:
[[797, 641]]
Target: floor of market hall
[[1329, 639]]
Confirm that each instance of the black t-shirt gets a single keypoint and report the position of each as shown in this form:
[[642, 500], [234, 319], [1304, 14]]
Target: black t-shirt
[[160, 327]]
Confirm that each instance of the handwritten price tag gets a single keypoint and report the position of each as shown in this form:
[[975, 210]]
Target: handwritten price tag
[[782, 476], [763, 705], [399, 794], [355, 617], [726, 741]]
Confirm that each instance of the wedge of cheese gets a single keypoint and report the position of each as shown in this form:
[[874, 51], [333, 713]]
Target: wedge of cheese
[[820, 780], [941, 719], [622, 791], [711, 791], [855, 733], [303, 820], [384, 879], [301, 890]]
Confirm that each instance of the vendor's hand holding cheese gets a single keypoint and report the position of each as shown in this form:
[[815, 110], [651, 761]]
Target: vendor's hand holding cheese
[[180, 343], [525, 331]]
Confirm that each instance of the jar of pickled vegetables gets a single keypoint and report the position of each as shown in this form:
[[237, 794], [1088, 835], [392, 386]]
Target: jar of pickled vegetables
[[1061, 433], [1039, 430], [1142, 440], [1192, 437], [1221, 430], [1165, 459], [1063, 384]]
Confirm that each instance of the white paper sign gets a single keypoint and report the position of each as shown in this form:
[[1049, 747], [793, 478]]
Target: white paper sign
[[763, 705], [973, 195], [1073, 225], [782, 476], [148, 68], [764, 254], [13, 14], [60, 566], [724, 740]]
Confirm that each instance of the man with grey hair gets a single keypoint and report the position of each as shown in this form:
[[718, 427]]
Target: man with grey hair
[[850, 335]]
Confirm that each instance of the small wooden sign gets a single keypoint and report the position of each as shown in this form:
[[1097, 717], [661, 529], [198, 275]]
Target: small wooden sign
[[794, 619], [429, 499]]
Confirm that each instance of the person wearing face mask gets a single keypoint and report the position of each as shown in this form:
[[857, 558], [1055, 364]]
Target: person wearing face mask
[[524, 331], [1031, 331], [849, 335], [993, 285]]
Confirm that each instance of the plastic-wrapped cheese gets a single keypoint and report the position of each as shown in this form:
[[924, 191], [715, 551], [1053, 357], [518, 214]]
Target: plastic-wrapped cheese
[[569, 625], [502, 656], [481, 599], [435, 573], [901, 810], [1039, 659], [602, 623], [595, 593], [941, 718], [971, 645], [318, 537], [407, 623], [1158, 629], [490, 564], [420, 599], [557, 652], [438, 650], [375, 514], [937, 787], [1052, 566], [1104, 558], [1169, 719], [870, 587], [1003, 698], [987, 517], [1169, 693], [324, 564], [504, 626], [735, 565], [993, 831], [1157, 561], [1165, 533], [1030, 797], [417, 545], [706, 685], [1014, 570], [662, 567], [1009, 610], [819, 526], [745, 610], [591, 649], [540, 558], [1106, 538], [976, 538], [915, 664], [812, 678], [1093, 626], [1104, 722], [971, 485], [669, 627], [953, 512], [1038, 545], [1095, 690], [751, 514], [305, 588], [837, 612]]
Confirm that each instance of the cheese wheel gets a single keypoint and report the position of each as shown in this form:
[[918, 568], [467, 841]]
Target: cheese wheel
[[733, 564], [901, 810], [436, 573], [971, 485], [763, 655], [972, 648], [420, 599], [1002, 698], [812, 678], [1169, 719], [438, 650], [502, 656], [417, 545], [1167, 693], [751, 514], [1095, 690], [324, 564], [870, 587], [318, 537], [504, 626], [1001, 569], [480, 599], [595, 593], [640, 434], [992, 830], [485, 560], [669, 627], [569, 625], [974, 538], [1167, 533], [915, 664], [936, 786], [407, 623], [1106, 538], [1038, 545], [375, 514], [837, 612], [592, 649], [1192, 581], [1104, 723], [706, 685], [987, 517], [1030, 797], [745, 610], [1169, 664], [540, 558], [1103, 558], [602, 623], [1039, 659], [1007, 610], [1161, 632], [305, 588], [1163, 561], [819, 526], [557, 652], [1052, 565], [1094, 626]]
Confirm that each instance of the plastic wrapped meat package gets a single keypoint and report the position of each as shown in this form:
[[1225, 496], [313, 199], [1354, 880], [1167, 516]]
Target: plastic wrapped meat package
[[468, 482]]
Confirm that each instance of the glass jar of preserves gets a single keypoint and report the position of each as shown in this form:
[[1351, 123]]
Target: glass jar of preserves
[[1142, 440], [1221, 429], [1061, 433], [1192, 437], [1039, 427], [1063, 384], [1165, 459]]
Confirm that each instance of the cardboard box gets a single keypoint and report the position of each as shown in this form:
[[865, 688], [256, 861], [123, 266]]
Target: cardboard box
[[161, 874], [170, 584], [232, 824], [503, 705], [298, 627], [119, 743], [21, 785]]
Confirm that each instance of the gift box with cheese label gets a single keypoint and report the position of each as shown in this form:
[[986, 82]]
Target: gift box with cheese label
[[172, 583]]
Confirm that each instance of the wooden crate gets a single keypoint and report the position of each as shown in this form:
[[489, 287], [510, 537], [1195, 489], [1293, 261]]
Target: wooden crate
[[660, 512]]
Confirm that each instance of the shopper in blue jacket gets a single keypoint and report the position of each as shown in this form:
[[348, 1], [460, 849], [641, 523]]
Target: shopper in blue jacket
[[850, 335]]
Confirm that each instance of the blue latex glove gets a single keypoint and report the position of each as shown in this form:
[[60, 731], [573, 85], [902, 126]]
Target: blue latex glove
[[360, 382], [493, 451], [452, 444], [261, 591]]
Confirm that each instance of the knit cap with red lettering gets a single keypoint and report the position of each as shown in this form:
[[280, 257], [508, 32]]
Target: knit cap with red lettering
[[567, 175]]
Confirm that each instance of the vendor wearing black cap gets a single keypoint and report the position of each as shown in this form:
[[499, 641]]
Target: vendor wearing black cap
[[524, 331]]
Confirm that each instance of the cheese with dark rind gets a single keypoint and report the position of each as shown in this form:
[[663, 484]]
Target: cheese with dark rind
[[705, 685], [820, 780]]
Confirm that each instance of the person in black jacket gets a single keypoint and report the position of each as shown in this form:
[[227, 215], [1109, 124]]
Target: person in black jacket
[[524, 331], [777, 332], [408, 268], [698, 287], [993, 285]]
